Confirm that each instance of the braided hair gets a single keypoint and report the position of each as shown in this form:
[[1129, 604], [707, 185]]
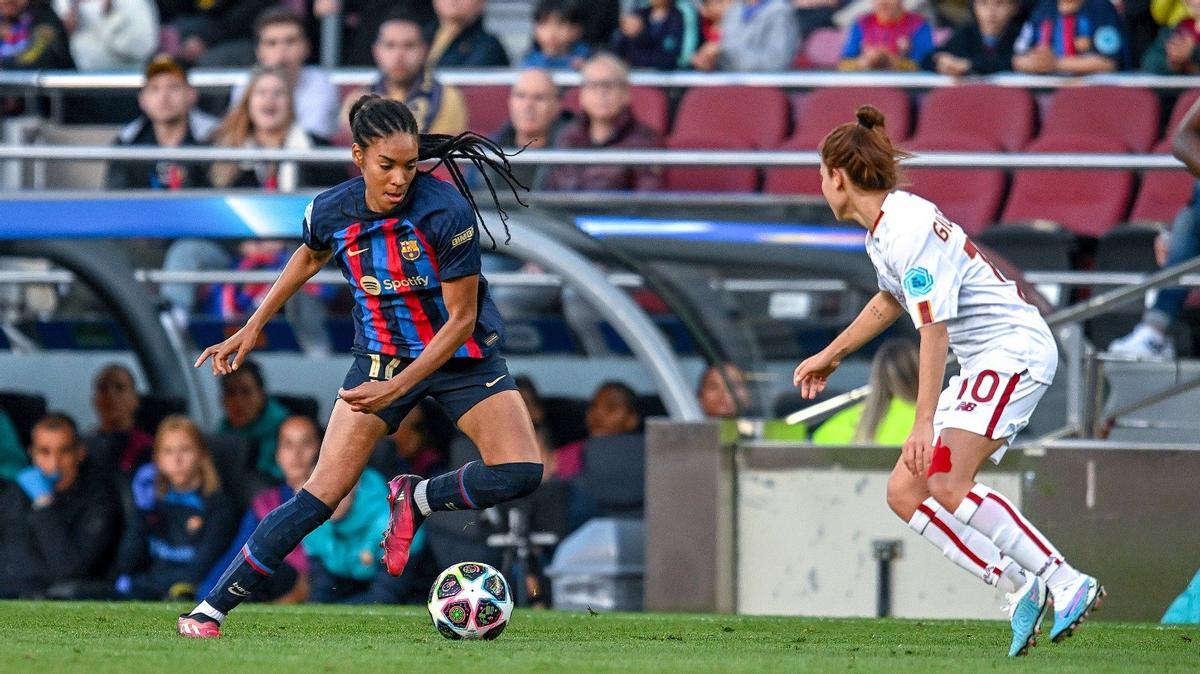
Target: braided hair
[[373, 117]]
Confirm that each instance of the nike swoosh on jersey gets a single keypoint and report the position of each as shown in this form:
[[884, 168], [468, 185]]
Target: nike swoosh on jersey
[[495, 381], [360, 251]]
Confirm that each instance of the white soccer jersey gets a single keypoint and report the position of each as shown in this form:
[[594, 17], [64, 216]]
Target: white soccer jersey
[[937, 274]]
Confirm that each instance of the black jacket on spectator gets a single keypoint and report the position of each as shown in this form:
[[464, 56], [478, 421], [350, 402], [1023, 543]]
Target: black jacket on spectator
[[967, 42], [160, 174], [657, 46], [474, 47], [176, 539], [311, 175], [356, 50], [71, 539], [227, 19], [36, 40]]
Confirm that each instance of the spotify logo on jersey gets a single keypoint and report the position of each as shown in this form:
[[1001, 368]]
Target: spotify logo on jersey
[[373, 286], [370, 285]]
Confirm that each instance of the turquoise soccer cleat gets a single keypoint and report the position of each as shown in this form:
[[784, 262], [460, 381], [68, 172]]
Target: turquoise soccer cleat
[[1027, 608], [1085, 596]]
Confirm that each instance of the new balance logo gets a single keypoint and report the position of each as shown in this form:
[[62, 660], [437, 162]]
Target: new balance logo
[[495, 381], [965, 407], [355, 253]]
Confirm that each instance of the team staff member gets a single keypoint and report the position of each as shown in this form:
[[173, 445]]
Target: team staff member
[[425, 325]]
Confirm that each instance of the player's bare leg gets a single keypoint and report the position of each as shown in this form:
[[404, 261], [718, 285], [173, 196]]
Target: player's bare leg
[[500, 427], [952, 483]]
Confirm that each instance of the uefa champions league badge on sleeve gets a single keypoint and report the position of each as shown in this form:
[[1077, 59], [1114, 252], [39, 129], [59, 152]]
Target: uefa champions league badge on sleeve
[[918, 282]]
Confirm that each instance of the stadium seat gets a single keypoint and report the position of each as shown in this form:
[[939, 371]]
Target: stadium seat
[[1129, 248], [1127, 114], [969, 197], [1184, 103], [971, 110], [649, 104], [1086, 202], [487, 107], [818, 113], [709, 178], [614, 473], [822, 49], [153, 409], [1032, 248], [304, 406], [24, 409], [1162, 193], [755, 117]]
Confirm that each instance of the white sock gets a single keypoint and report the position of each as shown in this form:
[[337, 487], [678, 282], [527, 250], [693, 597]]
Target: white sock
[[421, 498], [999, 520], [206, 609], [966, 547]]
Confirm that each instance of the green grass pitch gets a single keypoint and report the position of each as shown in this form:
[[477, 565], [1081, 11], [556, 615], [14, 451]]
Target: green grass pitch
[[133, 638]]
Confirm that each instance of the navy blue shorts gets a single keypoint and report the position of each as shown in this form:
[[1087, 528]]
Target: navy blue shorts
[[457, 386]]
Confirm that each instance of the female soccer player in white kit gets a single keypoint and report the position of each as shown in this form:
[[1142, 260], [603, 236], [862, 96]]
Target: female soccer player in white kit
[[928, 268]]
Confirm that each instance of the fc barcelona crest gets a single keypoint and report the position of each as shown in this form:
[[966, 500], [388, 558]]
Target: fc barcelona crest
[[410, 250]]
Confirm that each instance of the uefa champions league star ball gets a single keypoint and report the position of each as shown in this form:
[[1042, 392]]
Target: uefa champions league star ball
[[470, 601]]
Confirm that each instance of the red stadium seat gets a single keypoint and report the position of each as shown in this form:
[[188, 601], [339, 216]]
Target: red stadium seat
[[487, 107], [755, 117], [1162, 193], [1001, 116], [709, 178], [649, 104], [1086, 202], [818, 113], [970, 197], [823, 109], [822, 49], [1128, 114], [1182, 105]]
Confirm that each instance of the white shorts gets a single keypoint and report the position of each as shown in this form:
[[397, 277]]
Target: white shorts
[[990, 403]]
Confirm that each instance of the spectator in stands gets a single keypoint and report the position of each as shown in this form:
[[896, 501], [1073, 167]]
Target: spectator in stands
[[600, 20], [1074, 37], [185, 521], [280, 43], [1141, 29], [537, 413], [32, 37], [58, 523], [265, 118], [557, 36], [982, 46], [756, 35], [613, 410], [535, 119], [889, 38], [344, 552], [1174, 52], [664, 34], [712, 13], [401, 53], [299, 444], [606, 122], [412, 449], [458, 40], [359, 33], [169, 119], [886, 417], [250, 413], [1151, 338], [723, 391], [110, 34], [213, 32], [118, 444], [12, 457]]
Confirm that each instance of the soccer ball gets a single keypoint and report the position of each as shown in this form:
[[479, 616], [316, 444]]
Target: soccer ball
[[470, 601]]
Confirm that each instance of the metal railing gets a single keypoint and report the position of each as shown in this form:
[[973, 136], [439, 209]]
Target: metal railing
[[59, 81]]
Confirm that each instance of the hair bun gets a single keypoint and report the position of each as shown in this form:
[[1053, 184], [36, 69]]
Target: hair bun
[[869, 117]]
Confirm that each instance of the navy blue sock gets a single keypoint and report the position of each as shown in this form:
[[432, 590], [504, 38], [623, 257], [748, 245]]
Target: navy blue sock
[[477, 485], [276, 536]]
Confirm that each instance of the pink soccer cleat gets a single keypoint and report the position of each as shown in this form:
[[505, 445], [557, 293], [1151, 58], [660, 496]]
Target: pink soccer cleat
[[403, 524], [198, 629]]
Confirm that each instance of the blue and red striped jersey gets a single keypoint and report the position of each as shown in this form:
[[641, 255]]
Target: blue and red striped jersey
[[396, 263]]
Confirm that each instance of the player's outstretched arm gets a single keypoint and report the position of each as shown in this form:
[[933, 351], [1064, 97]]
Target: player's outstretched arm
[[935, 346], [812, 375], [303, 265]]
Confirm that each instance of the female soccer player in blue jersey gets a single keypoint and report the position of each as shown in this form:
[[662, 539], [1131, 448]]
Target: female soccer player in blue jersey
[[425, 325]]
